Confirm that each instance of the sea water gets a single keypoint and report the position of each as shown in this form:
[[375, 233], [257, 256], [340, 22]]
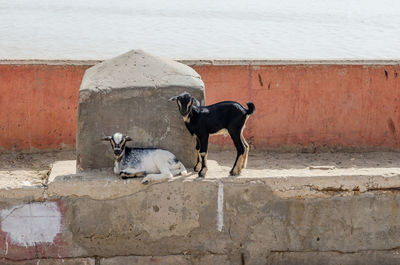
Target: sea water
[[207, 29]]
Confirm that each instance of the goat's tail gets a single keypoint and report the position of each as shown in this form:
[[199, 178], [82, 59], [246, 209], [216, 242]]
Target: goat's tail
[[251, 108]]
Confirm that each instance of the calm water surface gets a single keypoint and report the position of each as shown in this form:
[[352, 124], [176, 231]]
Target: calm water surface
[[262, 29]]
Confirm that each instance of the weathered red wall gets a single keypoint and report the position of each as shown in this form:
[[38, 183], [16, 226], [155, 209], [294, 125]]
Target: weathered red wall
[[297, 106], [313, 105], [38, 106]]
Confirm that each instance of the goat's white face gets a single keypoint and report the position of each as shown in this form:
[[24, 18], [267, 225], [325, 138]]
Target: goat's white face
[[118, 141]]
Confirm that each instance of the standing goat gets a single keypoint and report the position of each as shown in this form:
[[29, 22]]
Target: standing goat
[[222, 117], [138, 162]]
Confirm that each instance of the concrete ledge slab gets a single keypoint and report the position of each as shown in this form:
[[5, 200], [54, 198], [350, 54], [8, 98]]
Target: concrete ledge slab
[[83, 261], [167, 260], [222, 62], [345, 174], [391, 257], [284, 209]]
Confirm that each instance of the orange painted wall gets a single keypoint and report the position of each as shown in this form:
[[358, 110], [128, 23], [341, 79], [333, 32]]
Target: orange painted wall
[[297, 106], [38, 106]]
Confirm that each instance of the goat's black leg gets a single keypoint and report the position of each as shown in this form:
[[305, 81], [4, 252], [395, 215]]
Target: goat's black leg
[[203, 155], [235, 134], [198, 166]]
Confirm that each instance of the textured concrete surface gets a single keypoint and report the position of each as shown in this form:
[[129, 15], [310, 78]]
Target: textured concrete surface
[[390, 257], [129, 94], [284, 209], [168, 260], [77, 261]]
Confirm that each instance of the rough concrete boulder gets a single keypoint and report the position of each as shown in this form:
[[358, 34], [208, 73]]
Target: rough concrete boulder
[[129, 94]]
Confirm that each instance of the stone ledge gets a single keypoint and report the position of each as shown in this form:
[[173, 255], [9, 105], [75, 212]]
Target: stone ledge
[[390, 257], [77, 261], [285, 208], [282, 183], [286, 175], [167, 260], [219, 62], [344, 174]]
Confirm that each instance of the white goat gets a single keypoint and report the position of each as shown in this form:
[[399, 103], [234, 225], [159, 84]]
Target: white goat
[[154, 164]]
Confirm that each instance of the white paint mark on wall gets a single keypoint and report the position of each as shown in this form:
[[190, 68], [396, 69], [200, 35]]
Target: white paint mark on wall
[[6, 246], [220, 211], [31, 223]]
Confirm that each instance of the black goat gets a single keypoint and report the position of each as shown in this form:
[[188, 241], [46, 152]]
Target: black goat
[[222, 117]]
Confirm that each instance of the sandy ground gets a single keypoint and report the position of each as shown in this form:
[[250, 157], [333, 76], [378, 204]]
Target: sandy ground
[[268, 160], [28, 169], [18, 169]]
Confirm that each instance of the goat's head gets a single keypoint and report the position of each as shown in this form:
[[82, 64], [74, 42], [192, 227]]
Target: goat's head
[[185, 102], [118, 141]]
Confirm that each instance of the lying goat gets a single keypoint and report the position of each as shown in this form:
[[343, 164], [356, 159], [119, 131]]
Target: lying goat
[[222, 117], [153, 163]]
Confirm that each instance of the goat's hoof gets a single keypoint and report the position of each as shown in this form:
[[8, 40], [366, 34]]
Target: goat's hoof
[[202, 173], [197, 167], [145, 182], [234, 172]]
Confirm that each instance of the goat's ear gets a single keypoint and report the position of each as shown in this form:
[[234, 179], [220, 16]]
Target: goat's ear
[[173, 98], [196, 102], [128, 138], [107, 138]]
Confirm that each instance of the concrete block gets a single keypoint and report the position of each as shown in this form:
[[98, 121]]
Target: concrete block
[[77, 261], [130, 94], [389, 257], [149, 260], [167, 260], [265, 216]]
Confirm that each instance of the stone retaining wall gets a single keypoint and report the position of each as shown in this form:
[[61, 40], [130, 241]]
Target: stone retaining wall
[[94, 218]]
